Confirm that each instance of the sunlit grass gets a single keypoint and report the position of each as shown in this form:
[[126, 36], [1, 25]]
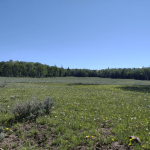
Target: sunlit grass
[[84, 107]]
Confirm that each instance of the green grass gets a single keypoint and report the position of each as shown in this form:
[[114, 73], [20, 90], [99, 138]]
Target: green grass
[[81, 107]]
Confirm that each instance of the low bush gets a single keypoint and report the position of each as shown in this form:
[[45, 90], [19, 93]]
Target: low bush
[[32, 109]]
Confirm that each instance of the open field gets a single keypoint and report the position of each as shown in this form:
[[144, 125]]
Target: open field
[[88, 114], [83, 80]]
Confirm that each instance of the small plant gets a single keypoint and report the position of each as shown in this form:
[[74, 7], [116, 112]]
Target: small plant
[[15, 128], [27, 144], [18, 132], [1, 129], [21, 136], [14, 146], [34, 132], [2, 136], [12, 97], [49, 128], [5, 147], [9, 132]]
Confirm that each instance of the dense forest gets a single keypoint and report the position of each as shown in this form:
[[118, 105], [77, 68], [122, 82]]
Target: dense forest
[[38, 70]]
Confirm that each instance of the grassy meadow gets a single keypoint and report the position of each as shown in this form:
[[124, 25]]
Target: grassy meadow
[[88, 114]]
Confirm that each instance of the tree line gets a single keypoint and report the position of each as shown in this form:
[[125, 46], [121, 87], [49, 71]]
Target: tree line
[[38, 70]]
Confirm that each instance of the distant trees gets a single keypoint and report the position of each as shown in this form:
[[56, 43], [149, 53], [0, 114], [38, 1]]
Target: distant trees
[[127, 73], [68, 72], [22, 69], [38, 70], [30, 69], [1, 68], [15, 69], [61, 71], [146, 73]]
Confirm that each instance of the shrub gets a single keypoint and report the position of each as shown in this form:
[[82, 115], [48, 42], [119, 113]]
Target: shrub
[[32, 109], [2, 135], [47, 104]]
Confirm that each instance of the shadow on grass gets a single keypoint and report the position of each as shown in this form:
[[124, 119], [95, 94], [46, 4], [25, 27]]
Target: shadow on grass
[[72, 84], [139, 88], [13, 121]]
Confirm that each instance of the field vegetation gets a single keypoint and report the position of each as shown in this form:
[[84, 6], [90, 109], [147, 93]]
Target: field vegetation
[[86, 113]]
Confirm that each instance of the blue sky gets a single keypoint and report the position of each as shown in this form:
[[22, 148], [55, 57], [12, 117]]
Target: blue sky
[[86, 34]]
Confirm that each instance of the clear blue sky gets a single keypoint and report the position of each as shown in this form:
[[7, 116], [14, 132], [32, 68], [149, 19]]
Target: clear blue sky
[[86, 34]]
